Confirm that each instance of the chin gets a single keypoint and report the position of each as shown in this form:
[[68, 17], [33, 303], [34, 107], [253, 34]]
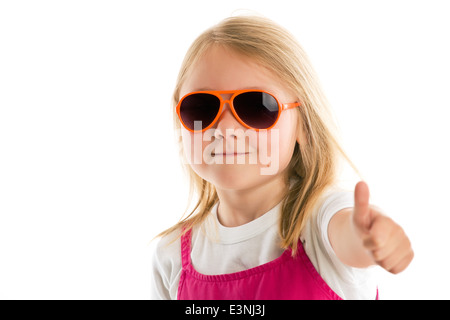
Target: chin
[[235, 177]]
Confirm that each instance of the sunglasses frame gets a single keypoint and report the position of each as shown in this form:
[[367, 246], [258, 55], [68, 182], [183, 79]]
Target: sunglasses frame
[[235, 93]]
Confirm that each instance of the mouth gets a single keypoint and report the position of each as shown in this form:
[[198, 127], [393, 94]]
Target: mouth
[[231, 154]]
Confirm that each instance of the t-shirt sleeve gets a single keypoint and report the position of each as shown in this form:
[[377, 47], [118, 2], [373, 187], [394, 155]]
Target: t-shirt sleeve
[[346, 281], [159, 279], [332, 204], [165, 269]]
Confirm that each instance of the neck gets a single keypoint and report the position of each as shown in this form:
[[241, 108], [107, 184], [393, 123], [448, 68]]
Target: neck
[[238, 207]]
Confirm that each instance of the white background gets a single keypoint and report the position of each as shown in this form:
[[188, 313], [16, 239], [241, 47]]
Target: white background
[[89, 170]]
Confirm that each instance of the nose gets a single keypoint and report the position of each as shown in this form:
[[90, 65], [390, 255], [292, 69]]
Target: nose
[[227, 124]]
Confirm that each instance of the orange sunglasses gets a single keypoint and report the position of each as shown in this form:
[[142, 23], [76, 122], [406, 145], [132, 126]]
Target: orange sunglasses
[[255, 109]]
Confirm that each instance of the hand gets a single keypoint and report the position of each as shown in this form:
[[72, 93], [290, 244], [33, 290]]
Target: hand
[[381, 236]]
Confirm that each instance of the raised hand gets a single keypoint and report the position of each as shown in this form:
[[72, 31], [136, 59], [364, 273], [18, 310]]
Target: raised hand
[[386, 241]]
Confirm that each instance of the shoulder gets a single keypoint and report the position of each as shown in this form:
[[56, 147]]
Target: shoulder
[[336, 198], [315, 234], [330, 202], [166, 266], [168, 250]]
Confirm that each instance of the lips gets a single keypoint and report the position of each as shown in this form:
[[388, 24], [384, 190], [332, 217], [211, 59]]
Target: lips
[[230, 154]]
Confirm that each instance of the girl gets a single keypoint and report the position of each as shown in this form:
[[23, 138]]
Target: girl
[[270, 221]]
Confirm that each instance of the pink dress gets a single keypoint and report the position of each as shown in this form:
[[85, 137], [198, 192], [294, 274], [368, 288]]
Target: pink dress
[[285, 278]]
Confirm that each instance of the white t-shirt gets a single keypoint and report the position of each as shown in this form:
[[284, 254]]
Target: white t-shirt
[[219, 250]]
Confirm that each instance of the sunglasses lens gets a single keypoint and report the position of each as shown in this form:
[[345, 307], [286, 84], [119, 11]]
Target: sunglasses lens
[[258, 110], [199, 107]]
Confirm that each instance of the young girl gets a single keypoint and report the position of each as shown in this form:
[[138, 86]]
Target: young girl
[[258, 143]]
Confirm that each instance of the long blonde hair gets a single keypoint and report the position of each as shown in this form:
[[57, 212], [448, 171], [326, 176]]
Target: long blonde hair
[[315, 161]]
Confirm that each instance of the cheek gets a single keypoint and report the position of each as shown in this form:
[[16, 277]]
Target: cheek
[[186, 143], [195, 147], [192, 146], [284, 144], [191, 154]]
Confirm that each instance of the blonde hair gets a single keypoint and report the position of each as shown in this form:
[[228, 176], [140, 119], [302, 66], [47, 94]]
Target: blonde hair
[[315, 161]]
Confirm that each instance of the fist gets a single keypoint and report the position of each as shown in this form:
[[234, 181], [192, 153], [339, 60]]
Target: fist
[[386, 241]]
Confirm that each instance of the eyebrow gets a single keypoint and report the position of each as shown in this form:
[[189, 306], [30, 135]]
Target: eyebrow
[[246, 88]]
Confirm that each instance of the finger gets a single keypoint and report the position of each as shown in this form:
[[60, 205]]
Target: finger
[[398, 260], [393, 254], [381, 230], [390, 236], [361, 209], [403, 264]]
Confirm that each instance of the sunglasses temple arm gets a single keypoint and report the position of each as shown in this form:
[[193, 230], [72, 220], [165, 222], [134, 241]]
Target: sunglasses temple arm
[[286, 106]]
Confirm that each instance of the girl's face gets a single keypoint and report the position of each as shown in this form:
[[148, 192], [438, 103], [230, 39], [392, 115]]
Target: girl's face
[[229, 155]]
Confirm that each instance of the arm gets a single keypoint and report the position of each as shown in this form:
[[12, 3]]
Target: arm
[[159, 289], [362, 236]]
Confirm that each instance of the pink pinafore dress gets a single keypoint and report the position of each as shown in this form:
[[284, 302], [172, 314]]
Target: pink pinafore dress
[[285, 278]]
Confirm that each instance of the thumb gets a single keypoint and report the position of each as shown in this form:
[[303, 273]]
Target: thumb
[[361, 210]]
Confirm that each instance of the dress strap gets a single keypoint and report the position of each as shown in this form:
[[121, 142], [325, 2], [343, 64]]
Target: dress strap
[[186, 248]]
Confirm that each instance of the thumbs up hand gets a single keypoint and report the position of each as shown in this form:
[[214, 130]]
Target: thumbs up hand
[[386, 241]]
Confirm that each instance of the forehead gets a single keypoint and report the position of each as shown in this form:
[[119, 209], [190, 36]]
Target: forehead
[[221, 68]]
